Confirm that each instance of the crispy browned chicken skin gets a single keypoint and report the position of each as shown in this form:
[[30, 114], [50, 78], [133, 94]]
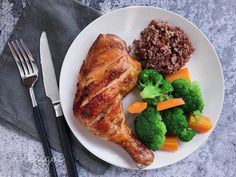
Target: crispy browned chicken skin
[[106, 76]]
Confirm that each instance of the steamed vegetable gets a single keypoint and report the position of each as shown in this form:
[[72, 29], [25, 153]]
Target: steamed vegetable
[[137, 107], [191, 94], [176, 124], [169, 103], [200, 123], [170, 144], [153, 88], [180, 74], [150, 128], [186, 134]]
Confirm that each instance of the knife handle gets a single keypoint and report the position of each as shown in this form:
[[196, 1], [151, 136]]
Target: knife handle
[[66, 146], [45, 142]]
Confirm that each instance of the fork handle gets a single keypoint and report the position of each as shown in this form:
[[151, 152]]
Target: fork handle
[[45, 142]]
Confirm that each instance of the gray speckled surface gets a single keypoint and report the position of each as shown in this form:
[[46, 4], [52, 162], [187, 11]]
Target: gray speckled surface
[[22, 156]]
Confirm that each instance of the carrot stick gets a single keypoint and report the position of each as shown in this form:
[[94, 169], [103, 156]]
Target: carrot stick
[[200, 123], [180, 74], [137, 107], [169, 103], [170, 144]]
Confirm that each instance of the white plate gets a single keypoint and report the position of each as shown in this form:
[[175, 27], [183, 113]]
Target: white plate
[[127, 23]]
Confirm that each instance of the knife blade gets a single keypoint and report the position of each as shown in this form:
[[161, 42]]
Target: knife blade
[[49, 76], [52, 92]]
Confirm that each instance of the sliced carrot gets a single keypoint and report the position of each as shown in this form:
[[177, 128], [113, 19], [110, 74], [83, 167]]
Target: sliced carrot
[[200, 123], [137, 107], [180, 74], [169, 103], [170, 144]]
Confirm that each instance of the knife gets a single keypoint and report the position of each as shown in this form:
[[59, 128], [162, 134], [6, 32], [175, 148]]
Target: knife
[[52, 92]]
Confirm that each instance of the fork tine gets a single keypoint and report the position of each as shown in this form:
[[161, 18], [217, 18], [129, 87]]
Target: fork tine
[[25, 58], [18, 62], [26, 48], [31, 59], [20, 58]]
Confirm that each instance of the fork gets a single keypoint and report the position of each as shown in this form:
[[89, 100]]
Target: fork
[[29, 75]]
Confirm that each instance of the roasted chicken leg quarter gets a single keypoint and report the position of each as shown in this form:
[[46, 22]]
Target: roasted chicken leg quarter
[[108, 74]]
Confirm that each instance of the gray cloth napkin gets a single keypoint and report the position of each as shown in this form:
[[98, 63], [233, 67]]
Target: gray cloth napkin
[[62, 20]]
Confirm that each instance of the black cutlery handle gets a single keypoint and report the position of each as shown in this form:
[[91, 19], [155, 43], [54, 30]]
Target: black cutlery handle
[[66, 146], [45, 142]]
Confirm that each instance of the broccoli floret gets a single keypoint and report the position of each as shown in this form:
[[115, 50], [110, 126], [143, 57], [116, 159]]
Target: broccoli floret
[[154, 101], [187, 134], [191, 94], [150, 128], [166, 87], [176, 123], [174, 120], [153, 88]]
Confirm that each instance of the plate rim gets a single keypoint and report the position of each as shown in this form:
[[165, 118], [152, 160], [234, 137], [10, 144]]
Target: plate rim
[[192, 24]]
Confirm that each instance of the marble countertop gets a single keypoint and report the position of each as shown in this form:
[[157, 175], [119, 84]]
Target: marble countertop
[[215, 158]]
